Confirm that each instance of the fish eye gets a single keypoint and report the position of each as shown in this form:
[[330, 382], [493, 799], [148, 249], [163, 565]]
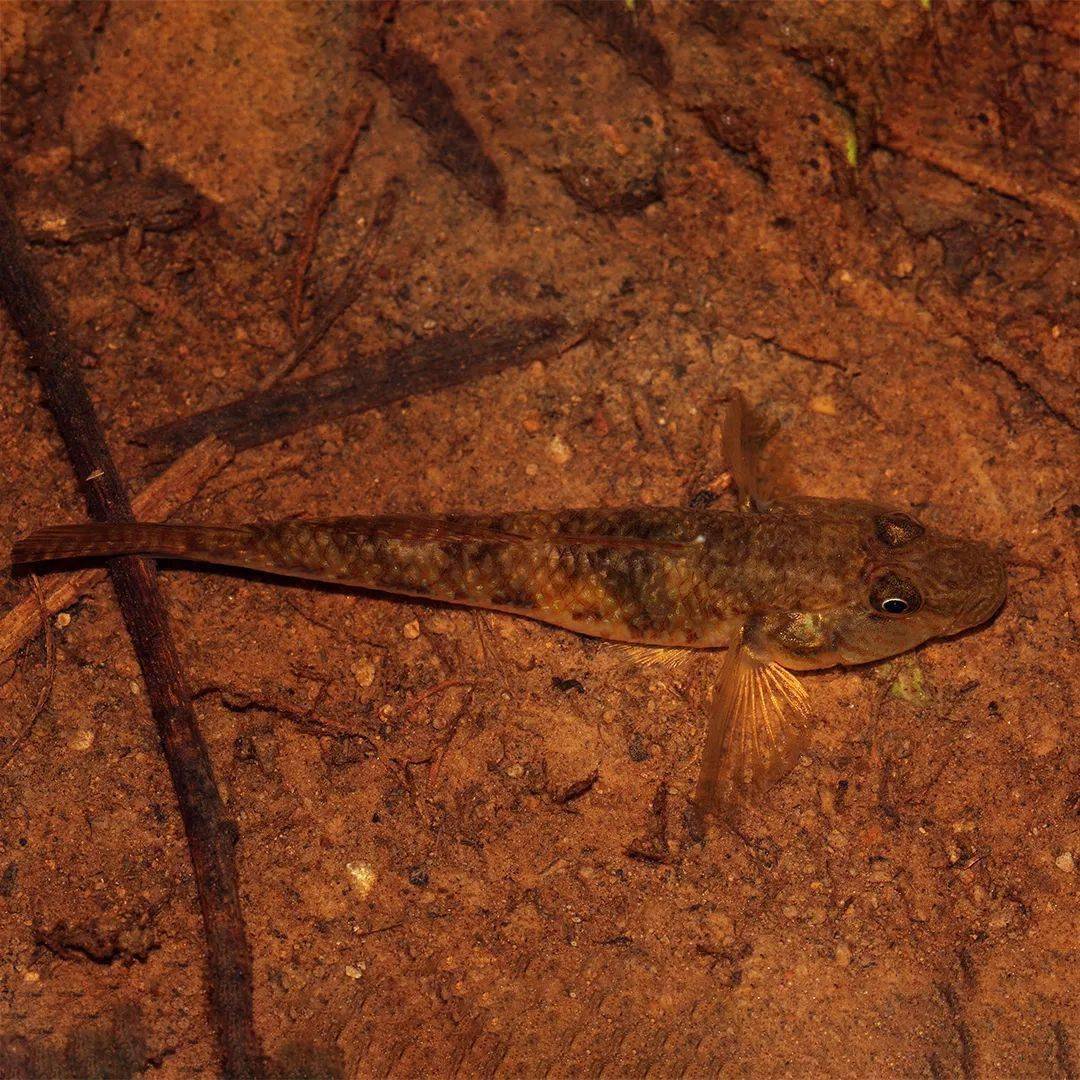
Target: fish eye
[[896, 530], [893, 595]]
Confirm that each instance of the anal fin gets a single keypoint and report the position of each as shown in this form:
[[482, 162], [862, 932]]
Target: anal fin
[[657, 656]]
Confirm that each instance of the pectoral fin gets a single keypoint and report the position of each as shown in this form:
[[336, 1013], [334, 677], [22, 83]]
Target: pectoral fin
[[759, 721], [744, 438]]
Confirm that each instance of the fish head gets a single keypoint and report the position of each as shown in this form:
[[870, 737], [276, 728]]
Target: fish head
[[918, 583], [910, 583]]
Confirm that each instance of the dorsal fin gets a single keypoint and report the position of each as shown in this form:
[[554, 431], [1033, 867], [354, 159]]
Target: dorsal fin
[[743, 440]]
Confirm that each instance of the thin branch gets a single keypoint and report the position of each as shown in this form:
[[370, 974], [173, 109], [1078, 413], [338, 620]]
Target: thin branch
[[316, 207], [346, 294], [211, 833], [50, 675], [944, 159]]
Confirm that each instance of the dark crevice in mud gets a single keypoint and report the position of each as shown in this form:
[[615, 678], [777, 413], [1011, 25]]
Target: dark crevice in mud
[[1028, 390], [128, 943], [776, 343]]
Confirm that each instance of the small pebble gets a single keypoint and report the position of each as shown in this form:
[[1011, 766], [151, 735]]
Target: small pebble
[[720, 925], [843, 954], [354, 971], [363, 877], [82, 740], [1065, 862], [558, 451], [62, 620], [364, 670], [515, 771], [411, 630], [531, 423], [636, 748], [823, 404]]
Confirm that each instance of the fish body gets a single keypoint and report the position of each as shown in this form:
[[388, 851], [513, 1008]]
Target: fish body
[[659, 576], [793, 584]]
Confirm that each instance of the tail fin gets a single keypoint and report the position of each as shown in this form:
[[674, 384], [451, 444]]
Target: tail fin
[[97, 540]]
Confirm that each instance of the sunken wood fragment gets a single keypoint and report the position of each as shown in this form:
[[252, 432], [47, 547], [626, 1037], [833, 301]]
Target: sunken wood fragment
[[367, 383]]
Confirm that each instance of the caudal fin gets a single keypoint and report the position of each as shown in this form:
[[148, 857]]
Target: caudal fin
[[96, 540]]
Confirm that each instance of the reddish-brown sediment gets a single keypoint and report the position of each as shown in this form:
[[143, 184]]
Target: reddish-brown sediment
[[462, 839]]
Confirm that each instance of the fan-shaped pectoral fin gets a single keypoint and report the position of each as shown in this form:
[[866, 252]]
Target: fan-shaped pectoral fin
[[759, 721]]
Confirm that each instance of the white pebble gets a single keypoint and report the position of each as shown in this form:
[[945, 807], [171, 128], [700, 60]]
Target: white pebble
[[362, 875], [558, 450]]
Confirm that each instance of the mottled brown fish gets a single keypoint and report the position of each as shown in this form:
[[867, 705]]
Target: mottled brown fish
[[794, 584]]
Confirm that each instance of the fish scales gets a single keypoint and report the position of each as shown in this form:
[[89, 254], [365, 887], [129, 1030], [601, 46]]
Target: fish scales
[[654, 575], [621, 574]]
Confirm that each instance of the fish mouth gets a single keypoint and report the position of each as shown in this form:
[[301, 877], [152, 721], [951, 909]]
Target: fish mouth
[[989, 597]]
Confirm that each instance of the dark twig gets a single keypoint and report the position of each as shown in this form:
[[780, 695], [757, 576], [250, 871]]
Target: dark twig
[[211, 833], [369, 382], [316, 207]]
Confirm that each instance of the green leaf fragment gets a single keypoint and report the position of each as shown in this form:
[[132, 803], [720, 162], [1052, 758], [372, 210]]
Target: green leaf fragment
[[851, 148], [908, 685]]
